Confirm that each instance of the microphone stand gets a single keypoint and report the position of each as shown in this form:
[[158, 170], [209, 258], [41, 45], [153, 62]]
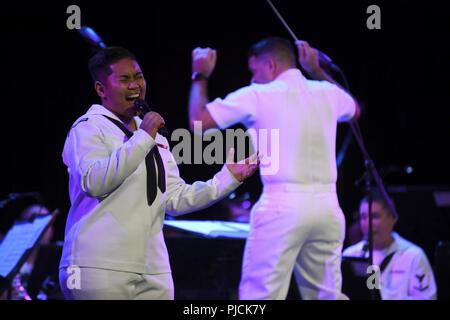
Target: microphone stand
[[371, 177]]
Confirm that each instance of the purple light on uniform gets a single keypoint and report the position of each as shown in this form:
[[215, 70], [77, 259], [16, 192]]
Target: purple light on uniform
[[246, 204]]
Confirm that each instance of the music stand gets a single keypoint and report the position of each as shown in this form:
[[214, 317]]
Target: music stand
[[44, 276], [354, 278], [212, 229], [19, 243]]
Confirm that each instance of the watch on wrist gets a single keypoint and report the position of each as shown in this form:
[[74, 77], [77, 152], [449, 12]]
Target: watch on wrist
[[197, 76]]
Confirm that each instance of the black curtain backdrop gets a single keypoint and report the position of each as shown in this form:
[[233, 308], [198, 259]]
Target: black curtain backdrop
[[399, 73]]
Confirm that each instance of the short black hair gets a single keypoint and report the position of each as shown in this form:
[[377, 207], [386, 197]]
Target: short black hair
[[377, 196], [14, 207], [99, 64], [280, 48]]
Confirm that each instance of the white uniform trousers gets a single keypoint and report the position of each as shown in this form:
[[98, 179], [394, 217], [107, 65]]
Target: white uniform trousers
[[102, 284], [298, 228]]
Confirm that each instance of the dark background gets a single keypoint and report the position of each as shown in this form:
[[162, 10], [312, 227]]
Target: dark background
[[399, 73]]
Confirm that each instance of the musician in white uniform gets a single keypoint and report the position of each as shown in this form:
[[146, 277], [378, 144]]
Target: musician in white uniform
[[297, 224], [406, 273], [122, 181]]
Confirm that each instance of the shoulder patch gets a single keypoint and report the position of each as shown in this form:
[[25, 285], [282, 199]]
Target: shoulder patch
[[79, 121]]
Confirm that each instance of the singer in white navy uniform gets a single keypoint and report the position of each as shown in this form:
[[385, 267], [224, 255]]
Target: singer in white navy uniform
[[122, 181], [297, 224], [406, 273]]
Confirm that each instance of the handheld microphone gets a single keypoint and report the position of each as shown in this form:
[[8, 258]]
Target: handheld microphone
[[143, 109], [92, 37]]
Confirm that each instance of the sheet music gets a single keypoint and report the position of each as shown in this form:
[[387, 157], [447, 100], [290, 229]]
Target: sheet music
[[21, 237], [212, 229]]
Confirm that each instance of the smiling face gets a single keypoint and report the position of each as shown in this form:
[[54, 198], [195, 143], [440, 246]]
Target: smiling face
[[119, 89], [382, 223]]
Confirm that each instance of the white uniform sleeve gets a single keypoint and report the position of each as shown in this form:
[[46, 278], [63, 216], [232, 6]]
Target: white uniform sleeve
[[343, 103], [352, 251], [100, 170], [422, 285], [238, 106], [184, 198]]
